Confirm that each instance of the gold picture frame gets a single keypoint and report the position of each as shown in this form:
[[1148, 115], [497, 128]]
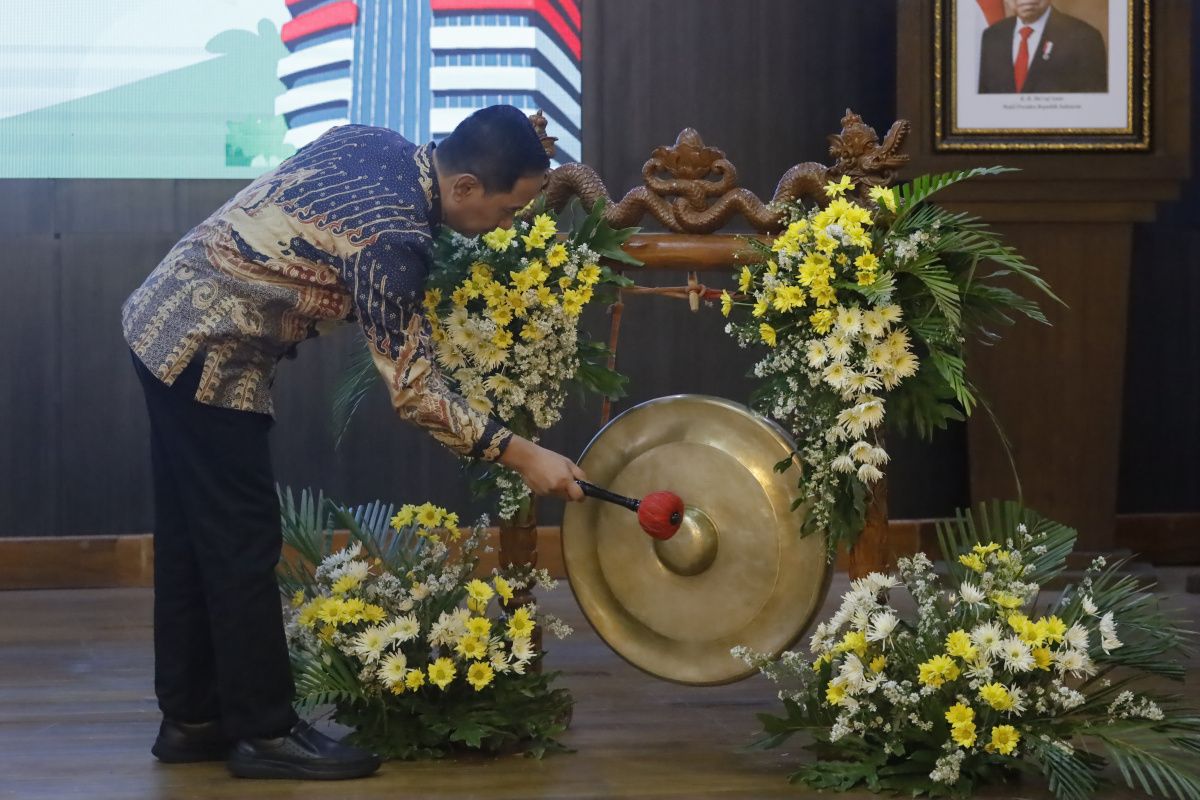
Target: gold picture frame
[[978, 107]]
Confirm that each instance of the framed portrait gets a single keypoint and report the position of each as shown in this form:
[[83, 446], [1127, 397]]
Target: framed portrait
[[1042, 75]]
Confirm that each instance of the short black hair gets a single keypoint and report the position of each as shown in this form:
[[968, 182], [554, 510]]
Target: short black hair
[[496, 144]]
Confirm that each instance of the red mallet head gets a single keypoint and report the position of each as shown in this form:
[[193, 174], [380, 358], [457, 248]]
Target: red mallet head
[[660, 514]]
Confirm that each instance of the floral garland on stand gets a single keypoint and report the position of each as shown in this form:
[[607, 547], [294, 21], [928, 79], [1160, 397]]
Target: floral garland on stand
[[865, 306]]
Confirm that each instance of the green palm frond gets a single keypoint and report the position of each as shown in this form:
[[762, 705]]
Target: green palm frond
[[938, 280], [350, 391], [920, 189], [307, 530], [998, 521], [1071, 775], [324, 680], [1156, 757]]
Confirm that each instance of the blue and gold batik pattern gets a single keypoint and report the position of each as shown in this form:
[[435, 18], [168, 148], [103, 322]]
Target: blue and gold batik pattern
[[340, 231]]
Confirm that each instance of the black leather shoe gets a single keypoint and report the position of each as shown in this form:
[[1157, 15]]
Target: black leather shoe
[[303, 754], [189, 742]]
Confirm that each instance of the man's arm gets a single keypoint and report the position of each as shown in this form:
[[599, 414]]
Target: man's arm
[[386, 282]]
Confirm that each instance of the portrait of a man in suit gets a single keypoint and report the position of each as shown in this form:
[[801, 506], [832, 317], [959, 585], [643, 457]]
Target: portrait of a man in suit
[[1042, 50]]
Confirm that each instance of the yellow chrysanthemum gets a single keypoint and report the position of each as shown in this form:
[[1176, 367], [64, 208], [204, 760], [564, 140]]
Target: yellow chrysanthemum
[[479, 591], [480, 675], [937, 671], [501, 315], [500, 239], [745, 280], [963, 734], [373, 614], [503, 339], [878, 663], [822, 320], [429, 516], [298, 598], [1006, 600], [480, 627], [503, 589], [839, 187], [415, 679], [1055, 629], [589, 275], [530, 332], [835, 693], [520, 624], [853, 642], [1042, 657], [1004, 739], [958, 713], [767, 333], [726, 303], [546, 296], [958, 644], [884, 197], [972, 562], [471, 647], [346, 583], [403, 517], [788, 297], [557, 255], [441, 672], [996, 695], [572, 302], [309, 615], [762, 306], [823, 294]]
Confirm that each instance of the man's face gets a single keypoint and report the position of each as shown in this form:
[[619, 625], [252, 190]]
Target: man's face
[[1030, 10], [468, 209]]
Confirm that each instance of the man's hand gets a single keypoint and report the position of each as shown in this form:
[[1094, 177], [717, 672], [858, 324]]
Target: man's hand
[[544, 471]]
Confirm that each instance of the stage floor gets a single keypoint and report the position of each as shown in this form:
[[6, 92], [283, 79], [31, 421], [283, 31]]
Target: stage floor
[[77, 716]]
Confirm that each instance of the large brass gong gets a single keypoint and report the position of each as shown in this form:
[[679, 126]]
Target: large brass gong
[[736, 573]]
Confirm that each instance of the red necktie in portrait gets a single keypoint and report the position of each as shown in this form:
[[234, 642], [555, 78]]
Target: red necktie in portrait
[[1021, 65]]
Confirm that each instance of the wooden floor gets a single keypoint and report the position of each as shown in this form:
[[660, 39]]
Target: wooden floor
[[77, 716]]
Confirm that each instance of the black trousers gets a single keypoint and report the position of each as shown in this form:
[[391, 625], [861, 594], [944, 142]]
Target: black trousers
[[219, 647]]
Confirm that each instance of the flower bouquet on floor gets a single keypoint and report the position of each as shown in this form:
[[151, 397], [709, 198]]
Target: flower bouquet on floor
[[982, 680], [866, 304], [406, 644]]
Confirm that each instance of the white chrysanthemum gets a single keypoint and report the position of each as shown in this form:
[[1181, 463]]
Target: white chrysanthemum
[[369, 644], [522, 649], [1017, 655], [871, 412], [851, 419], [859, 383], [987, 638], [1089, 607], [393, 670], [869, 473], [891, 313], [873, 324], [835, 375], [877, 582], [881, 627], [816, 354], [403, 629], [1077, 637], [849, 320], [1075, 662], [1108, 633], [843, 463], [419, 591], [971, 594], [838, 347], [860, 450], [852, 673]]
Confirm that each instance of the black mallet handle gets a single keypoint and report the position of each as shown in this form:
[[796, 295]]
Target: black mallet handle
[[591, 490]]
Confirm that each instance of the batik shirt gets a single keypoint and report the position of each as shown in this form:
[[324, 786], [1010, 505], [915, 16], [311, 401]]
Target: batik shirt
[[340, 231]]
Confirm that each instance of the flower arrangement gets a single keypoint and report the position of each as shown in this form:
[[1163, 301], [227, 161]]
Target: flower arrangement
[[866, 305], [979, 679], [407, 645], [504, 309]]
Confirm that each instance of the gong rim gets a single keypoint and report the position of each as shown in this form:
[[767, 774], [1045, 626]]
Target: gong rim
[[605, 554]]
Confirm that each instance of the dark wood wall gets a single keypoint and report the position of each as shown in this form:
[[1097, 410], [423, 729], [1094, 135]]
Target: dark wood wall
[[766, 80]]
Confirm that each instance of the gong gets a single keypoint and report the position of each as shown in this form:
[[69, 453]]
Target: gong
[[737, 572]]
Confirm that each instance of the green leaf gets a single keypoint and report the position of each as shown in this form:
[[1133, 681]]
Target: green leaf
[[352, 387]]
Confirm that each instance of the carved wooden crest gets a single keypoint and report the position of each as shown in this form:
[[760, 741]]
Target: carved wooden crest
[[690, 187]]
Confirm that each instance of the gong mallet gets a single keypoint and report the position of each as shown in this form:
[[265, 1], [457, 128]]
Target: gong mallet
[[659, 513]]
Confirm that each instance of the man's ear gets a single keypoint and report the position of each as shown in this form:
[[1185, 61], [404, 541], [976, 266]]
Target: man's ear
[[464, 185]]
